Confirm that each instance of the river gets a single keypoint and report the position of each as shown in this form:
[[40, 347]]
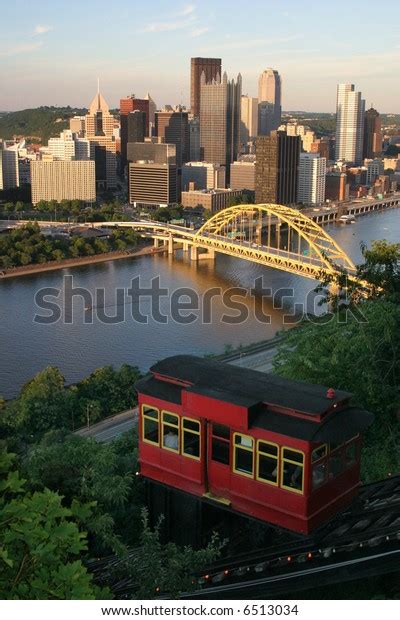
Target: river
[[80, 346]]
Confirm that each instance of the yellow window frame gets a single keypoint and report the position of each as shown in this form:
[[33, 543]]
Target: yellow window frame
[[146, 417], [174, 426], [235, 447], [286, 460], [191, 432], [258, 452]]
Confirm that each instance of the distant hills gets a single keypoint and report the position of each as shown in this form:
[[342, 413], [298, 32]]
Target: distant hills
[[37, 124]]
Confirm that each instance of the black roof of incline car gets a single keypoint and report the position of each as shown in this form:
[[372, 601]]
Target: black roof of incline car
[[256, 390], [246, 387]]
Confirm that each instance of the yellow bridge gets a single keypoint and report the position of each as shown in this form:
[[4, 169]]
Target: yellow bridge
[[267, 234]]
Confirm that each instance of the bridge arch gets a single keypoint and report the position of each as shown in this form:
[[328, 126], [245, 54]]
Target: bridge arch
[[329, 254]]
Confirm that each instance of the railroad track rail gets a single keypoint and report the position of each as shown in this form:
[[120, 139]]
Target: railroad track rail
[[362, 541]]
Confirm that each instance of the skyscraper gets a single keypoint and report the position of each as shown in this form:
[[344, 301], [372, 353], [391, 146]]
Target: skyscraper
[[63, 180], [269, 101], [372, 134], [248, 118], [136, 126], [68, 147], [99, 130], [312, 171], [349, 124], [277, 168], [220, 120], [211, 67], [127, 105], [173, 126]]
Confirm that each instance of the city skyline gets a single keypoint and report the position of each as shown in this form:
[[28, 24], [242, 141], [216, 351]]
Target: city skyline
[[55, 59]]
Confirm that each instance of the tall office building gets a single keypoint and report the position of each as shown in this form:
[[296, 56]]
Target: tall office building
[[269, 101], [99, 130], [349, 124], [203, 175], [248, 118], [312, 171], [63, 180], [136, 126], [243, 175], [375, 169], [155, 152], [211, 67], [152, 113], [173, 126], [77, 125], [127, 105], [68, 147], [220, 120], [152, 184], [194, 139], [9, 170], [277, 168], [372, 134]]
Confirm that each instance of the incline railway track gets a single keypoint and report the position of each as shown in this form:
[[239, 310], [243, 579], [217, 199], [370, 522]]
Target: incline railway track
[[362, 541]]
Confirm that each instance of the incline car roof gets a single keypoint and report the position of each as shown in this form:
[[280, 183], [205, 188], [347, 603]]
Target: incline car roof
[[246, 387]]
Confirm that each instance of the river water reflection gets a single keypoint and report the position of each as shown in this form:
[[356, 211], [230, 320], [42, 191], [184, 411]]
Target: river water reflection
[[78, 348]]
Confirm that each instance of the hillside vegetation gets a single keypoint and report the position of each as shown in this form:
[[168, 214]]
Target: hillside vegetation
[[38, 124]]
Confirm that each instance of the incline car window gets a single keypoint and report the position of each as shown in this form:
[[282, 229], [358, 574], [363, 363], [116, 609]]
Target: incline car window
[[151, 424], [191, 438], [220, 444], [243, 456]]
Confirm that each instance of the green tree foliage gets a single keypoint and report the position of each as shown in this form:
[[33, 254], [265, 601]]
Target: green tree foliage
[[45, 404], [26, 245], [40, 543], [102, 474], [362, 357], [38, 124], [156, 568], [166, 214], [111, 390]]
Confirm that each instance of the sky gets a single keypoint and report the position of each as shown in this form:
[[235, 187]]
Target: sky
[[52, 52]]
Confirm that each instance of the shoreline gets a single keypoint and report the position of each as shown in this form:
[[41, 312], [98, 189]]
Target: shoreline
[[32, 269]]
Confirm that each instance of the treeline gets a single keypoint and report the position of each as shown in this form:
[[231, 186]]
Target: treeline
[[28, 245], [66, 500], [75, 209], [37, 123]]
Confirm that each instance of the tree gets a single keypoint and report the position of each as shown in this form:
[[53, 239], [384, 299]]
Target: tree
[[103, 474], [377, 277], [43, 404], [361, 357], [165, 568], [40, 543]]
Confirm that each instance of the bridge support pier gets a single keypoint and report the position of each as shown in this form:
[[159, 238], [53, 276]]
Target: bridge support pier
[[210, 254], [185, 246], [156, 243], [194, 252], [170, 245]]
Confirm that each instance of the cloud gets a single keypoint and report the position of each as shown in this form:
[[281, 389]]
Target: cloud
[[182, 19], [24, 48], [251, 43], [42, 29], [197, 32], [188, 9]]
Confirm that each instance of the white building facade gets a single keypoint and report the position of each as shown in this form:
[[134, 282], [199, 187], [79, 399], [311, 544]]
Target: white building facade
[[350, 110], [312, 171]]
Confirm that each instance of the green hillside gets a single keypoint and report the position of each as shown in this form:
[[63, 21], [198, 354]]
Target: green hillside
[[38, 124]]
